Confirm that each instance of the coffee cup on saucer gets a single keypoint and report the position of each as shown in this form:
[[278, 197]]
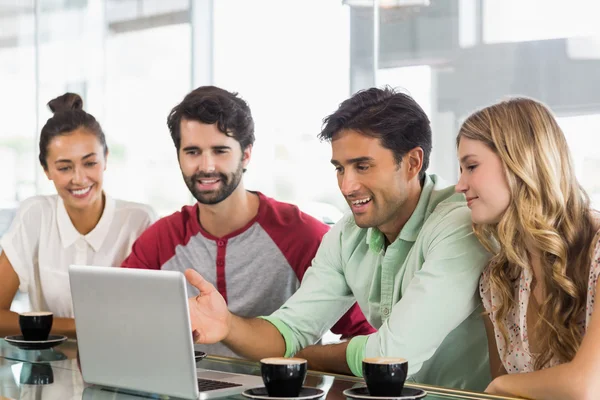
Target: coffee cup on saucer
[[385, 376], [283, 377], [36, 325]]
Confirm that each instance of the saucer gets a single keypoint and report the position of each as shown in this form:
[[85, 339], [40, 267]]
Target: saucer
[[306, 393], [20, 342], [363, 393]]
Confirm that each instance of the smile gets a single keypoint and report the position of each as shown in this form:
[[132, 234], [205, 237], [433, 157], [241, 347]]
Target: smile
[[80, 192], [361, 201], [208, 181]]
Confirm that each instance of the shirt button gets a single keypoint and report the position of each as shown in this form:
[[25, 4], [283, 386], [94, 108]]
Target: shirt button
[[386, 311], [220, 263], [220, 243]]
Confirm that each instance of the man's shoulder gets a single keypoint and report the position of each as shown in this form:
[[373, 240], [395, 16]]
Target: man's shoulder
[[175, 227], [447, 214], [281, 215], [446, 205], [443, 195]]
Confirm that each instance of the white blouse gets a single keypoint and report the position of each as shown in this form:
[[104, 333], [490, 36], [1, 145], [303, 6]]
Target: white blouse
[[42, 242]]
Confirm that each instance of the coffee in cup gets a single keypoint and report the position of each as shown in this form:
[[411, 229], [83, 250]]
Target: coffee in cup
[[283, 377], [385, 376], [35, 326]]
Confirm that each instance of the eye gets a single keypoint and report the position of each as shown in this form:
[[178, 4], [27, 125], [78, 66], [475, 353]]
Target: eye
[[64, 169], [362, 167], [91, 163], [339, 169], [220, 151], [470, 168], [191, 152]]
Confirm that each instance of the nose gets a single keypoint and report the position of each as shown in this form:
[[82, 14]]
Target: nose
[[79, 176], [462, 185], [348, 183], [207, 163]]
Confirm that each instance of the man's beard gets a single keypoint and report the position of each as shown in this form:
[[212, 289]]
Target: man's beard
[[228, 185]]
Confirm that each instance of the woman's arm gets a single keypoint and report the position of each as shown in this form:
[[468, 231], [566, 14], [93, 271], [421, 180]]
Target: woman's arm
[[9, 284], [9, 321], [577, 379], [496, 367]]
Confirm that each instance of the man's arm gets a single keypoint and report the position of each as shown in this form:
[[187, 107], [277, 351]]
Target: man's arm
[[322, 299], [439, 298], [329, 358], [212, 322], [254, 338]]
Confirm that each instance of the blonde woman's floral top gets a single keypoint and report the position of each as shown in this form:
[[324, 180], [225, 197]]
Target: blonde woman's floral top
[[515, 356]]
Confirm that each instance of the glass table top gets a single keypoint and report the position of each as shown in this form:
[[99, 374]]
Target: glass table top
[[55, 374]]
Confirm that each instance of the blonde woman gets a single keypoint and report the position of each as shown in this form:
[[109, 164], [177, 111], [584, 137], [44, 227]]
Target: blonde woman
[[538, 290]]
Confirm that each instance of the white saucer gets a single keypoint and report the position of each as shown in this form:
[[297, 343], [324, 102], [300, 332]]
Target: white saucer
[[306, 393], [363, 393]]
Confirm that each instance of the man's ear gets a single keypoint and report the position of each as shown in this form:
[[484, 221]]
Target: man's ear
[[414, 162], [246, 156]]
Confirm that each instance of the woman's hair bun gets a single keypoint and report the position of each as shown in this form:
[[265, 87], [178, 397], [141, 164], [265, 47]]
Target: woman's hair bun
[[66, 102]]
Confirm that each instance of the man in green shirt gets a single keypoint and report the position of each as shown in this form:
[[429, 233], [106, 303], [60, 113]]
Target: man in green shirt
[[407, 255]]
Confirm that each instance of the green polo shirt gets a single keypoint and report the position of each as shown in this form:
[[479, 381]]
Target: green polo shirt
[[420, 293]]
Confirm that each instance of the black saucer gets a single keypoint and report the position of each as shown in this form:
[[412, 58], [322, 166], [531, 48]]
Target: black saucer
[[306, 393], [199, 355], [20, 342], [363, 393]]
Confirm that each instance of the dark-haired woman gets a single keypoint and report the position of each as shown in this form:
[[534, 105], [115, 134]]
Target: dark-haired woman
[[80, 225]]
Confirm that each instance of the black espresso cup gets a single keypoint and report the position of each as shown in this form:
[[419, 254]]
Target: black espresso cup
[[283, 377], [385, 376], [35, 326]]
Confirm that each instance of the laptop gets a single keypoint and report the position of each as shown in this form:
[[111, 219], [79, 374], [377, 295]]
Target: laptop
[[134, 333]]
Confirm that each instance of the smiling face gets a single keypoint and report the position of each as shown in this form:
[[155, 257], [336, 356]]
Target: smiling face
[[76, 165], [483, 182], [211, 162], [372, 182]]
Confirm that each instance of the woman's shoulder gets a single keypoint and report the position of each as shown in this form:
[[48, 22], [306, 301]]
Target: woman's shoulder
[[38, 204]]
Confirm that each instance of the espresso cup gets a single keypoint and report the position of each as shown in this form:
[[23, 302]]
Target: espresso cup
[[35, 326], [385, 376], [283, 377]]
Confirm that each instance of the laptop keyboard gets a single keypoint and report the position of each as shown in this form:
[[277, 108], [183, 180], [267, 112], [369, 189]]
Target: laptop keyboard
[[205, 385]]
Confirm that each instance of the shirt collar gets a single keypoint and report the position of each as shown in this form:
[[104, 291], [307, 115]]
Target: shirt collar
[[68, 233], [409, 233]]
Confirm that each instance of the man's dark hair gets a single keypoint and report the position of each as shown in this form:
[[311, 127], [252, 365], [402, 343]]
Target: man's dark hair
[[213, 105], [392, 117]]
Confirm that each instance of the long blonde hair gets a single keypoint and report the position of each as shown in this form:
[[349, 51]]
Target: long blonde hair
[[549, 208]]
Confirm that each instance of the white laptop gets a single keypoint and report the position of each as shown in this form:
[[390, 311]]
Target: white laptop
[[134, 333]]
